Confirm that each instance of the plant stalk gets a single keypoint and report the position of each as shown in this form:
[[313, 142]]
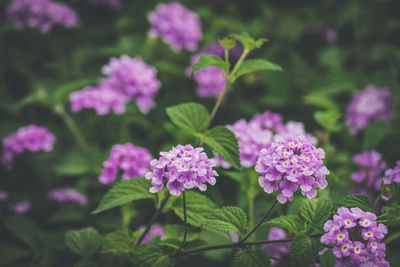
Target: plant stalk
[[185, 224]]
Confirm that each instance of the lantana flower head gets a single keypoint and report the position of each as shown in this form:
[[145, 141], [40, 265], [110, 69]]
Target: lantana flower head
[[102, 99], [368, 105], [155, 230], [31, 138], [176, 25], [134, 161], [21, 207], [67, 195], [357, 238], [287, 164], [392, 175], [270, 121], [371, 169], [183, 167], [42, 14], [277, 250], [134, 79]]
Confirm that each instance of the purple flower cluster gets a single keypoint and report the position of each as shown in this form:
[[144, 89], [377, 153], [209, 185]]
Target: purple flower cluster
[[297, 129], [127, 79], [288, 163], [3, 195], [357, 237], [102, 99], [32, 138], [252, 139], [21, 207], [177, 25], [371, 170], [155, 230], [392, 175], [270, 121], [367, 105], [279, 249], [43, 14], [183, 167], [134, 161], [67, 195]]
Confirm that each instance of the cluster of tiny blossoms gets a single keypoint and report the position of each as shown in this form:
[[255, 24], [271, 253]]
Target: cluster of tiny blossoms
[[127, 79], [43, 14], [67, 195], [21, 207], [392, 175], [279, 249], [288, 163], [368, 105], [371, 170], [31, 138], [132, 160], [357, 237], [183, 167], [155, 230], [177, 25]]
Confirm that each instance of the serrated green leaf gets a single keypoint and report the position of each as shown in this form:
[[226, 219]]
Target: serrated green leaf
[[150, 255], [176, 243], [374, 134], [390, 216], [191, 116], [118, 242], [124, 192], [253, 65], [357, 200], [224, 142], [84, 242], [289, 222], [228, 219], [248, 42], [177, 231], [329, 120], [316, 212], [10, 253], [26, 230], [198, 208], [207, 61], [251, 258], [304, 250]]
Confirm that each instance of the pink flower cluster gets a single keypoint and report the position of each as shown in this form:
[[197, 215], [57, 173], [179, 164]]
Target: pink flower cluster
[[101, 98], [367, 105], [279, 249], [32, 138], [21, 207], [371, 169], [134, 161], [155, 230], [288, 163], [43, 14], [357, 237], [177, 25], [392, 175], [67, 195], [127, 79], [183, 167]]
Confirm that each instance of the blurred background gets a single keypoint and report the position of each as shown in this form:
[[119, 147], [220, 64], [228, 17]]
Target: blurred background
[[328, 50]]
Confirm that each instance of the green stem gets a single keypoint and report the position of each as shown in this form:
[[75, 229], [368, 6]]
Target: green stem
[[392, 238], [185, 224], [260, 222], [72, 127], [239, 62], [377, 200], [217, 104]]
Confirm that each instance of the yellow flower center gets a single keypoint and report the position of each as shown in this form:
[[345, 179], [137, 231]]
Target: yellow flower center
[[369, 234], [347, 222], [345, 247], [357, 249], [340, 237]]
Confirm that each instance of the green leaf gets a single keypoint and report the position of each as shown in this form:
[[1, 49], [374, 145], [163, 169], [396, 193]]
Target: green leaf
[[149, 255], [289, 222], [357, 200], [251, 258], [390, 216], [316, 212], [328, 120], [207, 61], [84, 242], [177, 231], [198, 208], [228, 219], [304, 250], [253, 65], [374, 134], [321, 101], [9, 254], [124, 192], [191, 116], [327, 259], [118, 242], [176, 243], [224, 142], [248, 42], [26, 230], [227, 43]]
